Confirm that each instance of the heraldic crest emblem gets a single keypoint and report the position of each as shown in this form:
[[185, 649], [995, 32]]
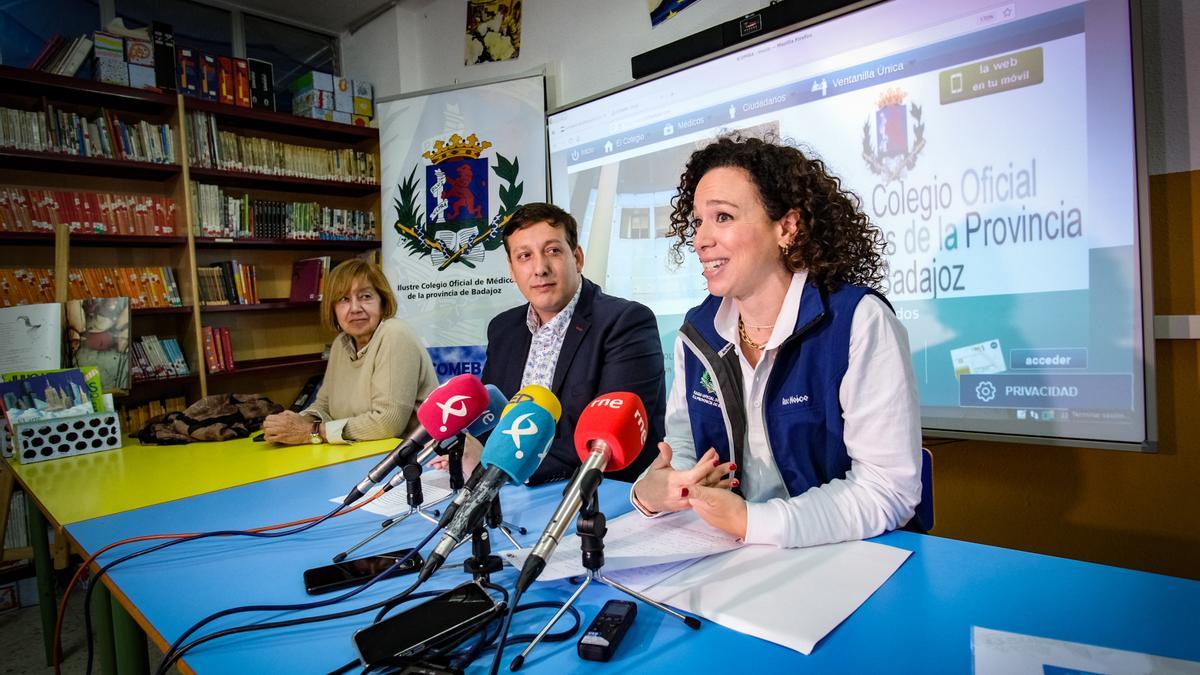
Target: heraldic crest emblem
[[891, 157], [458, 229]]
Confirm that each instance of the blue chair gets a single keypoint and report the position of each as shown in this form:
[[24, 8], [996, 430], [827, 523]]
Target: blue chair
[[922, 520]]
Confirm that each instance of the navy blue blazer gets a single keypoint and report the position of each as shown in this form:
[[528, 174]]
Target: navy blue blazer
[[612, 344]]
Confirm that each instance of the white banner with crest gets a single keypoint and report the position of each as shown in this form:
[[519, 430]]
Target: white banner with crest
[[455, 163]]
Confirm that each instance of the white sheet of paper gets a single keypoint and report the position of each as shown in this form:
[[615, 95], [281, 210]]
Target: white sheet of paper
[[1001, 653], [634, 540], [435, 485], [792, 597]]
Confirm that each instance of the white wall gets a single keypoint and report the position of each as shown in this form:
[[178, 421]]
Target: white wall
[[586, 46]]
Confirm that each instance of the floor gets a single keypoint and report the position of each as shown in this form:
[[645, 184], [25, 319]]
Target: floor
[[21, 651]]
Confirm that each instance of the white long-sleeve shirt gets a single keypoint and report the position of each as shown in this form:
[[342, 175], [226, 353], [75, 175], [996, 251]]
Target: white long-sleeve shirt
[[882, 433]]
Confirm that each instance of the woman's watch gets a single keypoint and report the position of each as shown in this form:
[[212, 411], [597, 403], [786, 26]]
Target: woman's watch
[[314, 436]]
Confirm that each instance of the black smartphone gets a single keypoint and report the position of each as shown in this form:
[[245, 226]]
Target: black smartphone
[[359, 571], [440, 622]]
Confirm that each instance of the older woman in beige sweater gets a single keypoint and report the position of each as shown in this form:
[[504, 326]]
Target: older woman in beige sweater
[[378, 372]]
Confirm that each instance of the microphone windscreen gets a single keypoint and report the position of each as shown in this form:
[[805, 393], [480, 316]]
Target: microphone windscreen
[[520, 441], [539, 395], [619, 419], [491, 415], [452, 406]]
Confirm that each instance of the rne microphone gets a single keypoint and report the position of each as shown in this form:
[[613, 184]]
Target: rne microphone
[[610, 434], [513, 452], [447, 411]]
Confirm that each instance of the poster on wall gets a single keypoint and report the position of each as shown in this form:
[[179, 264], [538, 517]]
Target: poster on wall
[[455, 164], [493, 31], [661, 10]]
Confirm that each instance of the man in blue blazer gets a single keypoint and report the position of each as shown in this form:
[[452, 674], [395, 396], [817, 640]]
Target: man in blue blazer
[[571, 337]]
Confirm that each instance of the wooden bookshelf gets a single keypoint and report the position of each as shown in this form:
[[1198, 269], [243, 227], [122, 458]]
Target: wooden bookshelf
[[62, 89], [266, 305], [124, 240], [290, 244], [278, 341], [60, 162], [270, 365], [249, 119]]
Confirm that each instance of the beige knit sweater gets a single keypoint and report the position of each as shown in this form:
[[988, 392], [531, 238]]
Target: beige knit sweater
[[378, 393]]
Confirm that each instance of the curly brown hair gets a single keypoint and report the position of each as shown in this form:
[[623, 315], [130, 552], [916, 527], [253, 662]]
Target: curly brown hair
[[836, 242]]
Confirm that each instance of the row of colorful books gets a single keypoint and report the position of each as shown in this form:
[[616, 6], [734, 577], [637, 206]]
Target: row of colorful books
[[106, 136], [157, 358], [211, 148], [221, 213], [144, 286], [218, 350], [228, 282], [26, 210], [135, 418]]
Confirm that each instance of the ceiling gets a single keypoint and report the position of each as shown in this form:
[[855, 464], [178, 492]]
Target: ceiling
[[333, 17]]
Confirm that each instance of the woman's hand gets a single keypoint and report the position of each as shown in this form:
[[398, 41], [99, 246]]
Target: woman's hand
[[722, 509], [472, 451], [287, 427], [664, 489]]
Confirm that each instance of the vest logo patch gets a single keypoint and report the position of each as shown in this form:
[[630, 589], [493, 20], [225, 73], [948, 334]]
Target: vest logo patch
[[707, 383], [800, 399]]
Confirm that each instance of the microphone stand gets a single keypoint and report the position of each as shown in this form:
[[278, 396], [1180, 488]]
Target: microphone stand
[[482, 563], [591, 525], [415, 497]]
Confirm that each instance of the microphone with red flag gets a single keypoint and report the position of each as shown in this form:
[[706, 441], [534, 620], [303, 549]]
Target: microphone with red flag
[[610, 434], [448, 410]]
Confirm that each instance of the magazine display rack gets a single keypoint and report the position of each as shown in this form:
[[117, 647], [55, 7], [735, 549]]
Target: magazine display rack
[[66, 437]]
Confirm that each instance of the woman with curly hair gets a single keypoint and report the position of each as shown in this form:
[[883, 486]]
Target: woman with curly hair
[[793, 418]]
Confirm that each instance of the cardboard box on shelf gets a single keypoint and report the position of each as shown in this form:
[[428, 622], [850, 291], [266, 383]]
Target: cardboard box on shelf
[[313, 79]]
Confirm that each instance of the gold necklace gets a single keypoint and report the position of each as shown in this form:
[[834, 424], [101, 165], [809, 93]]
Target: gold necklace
[[758, 346]]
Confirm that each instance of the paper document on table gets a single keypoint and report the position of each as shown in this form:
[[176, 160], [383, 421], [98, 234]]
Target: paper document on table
[[1001, 652], [435, 486], [790, 596], [634, 540]]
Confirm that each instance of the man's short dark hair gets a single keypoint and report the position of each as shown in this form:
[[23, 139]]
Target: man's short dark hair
[[541, 212]]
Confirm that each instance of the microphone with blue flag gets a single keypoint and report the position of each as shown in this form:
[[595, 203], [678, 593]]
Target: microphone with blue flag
[[513, 452]]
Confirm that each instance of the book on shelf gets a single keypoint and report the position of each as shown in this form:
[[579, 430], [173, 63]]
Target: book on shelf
[[228, 282], [134, 418], [231, 214], [158, 358], [103, 135], [31, 337], [29, 210], [98, 335], [218, 349], [145, 287], [209, 147], [26, 286], [48, 51], [308, 277]]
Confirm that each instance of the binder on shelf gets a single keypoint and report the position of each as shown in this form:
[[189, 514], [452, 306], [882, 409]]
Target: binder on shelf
[[164, 55], [308, 274]]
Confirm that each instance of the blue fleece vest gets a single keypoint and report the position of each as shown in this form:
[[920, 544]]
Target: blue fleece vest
[[804, 415]]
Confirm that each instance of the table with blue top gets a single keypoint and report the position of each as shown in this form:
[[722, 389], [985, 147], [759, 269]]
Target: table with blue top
[[920, 620]]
